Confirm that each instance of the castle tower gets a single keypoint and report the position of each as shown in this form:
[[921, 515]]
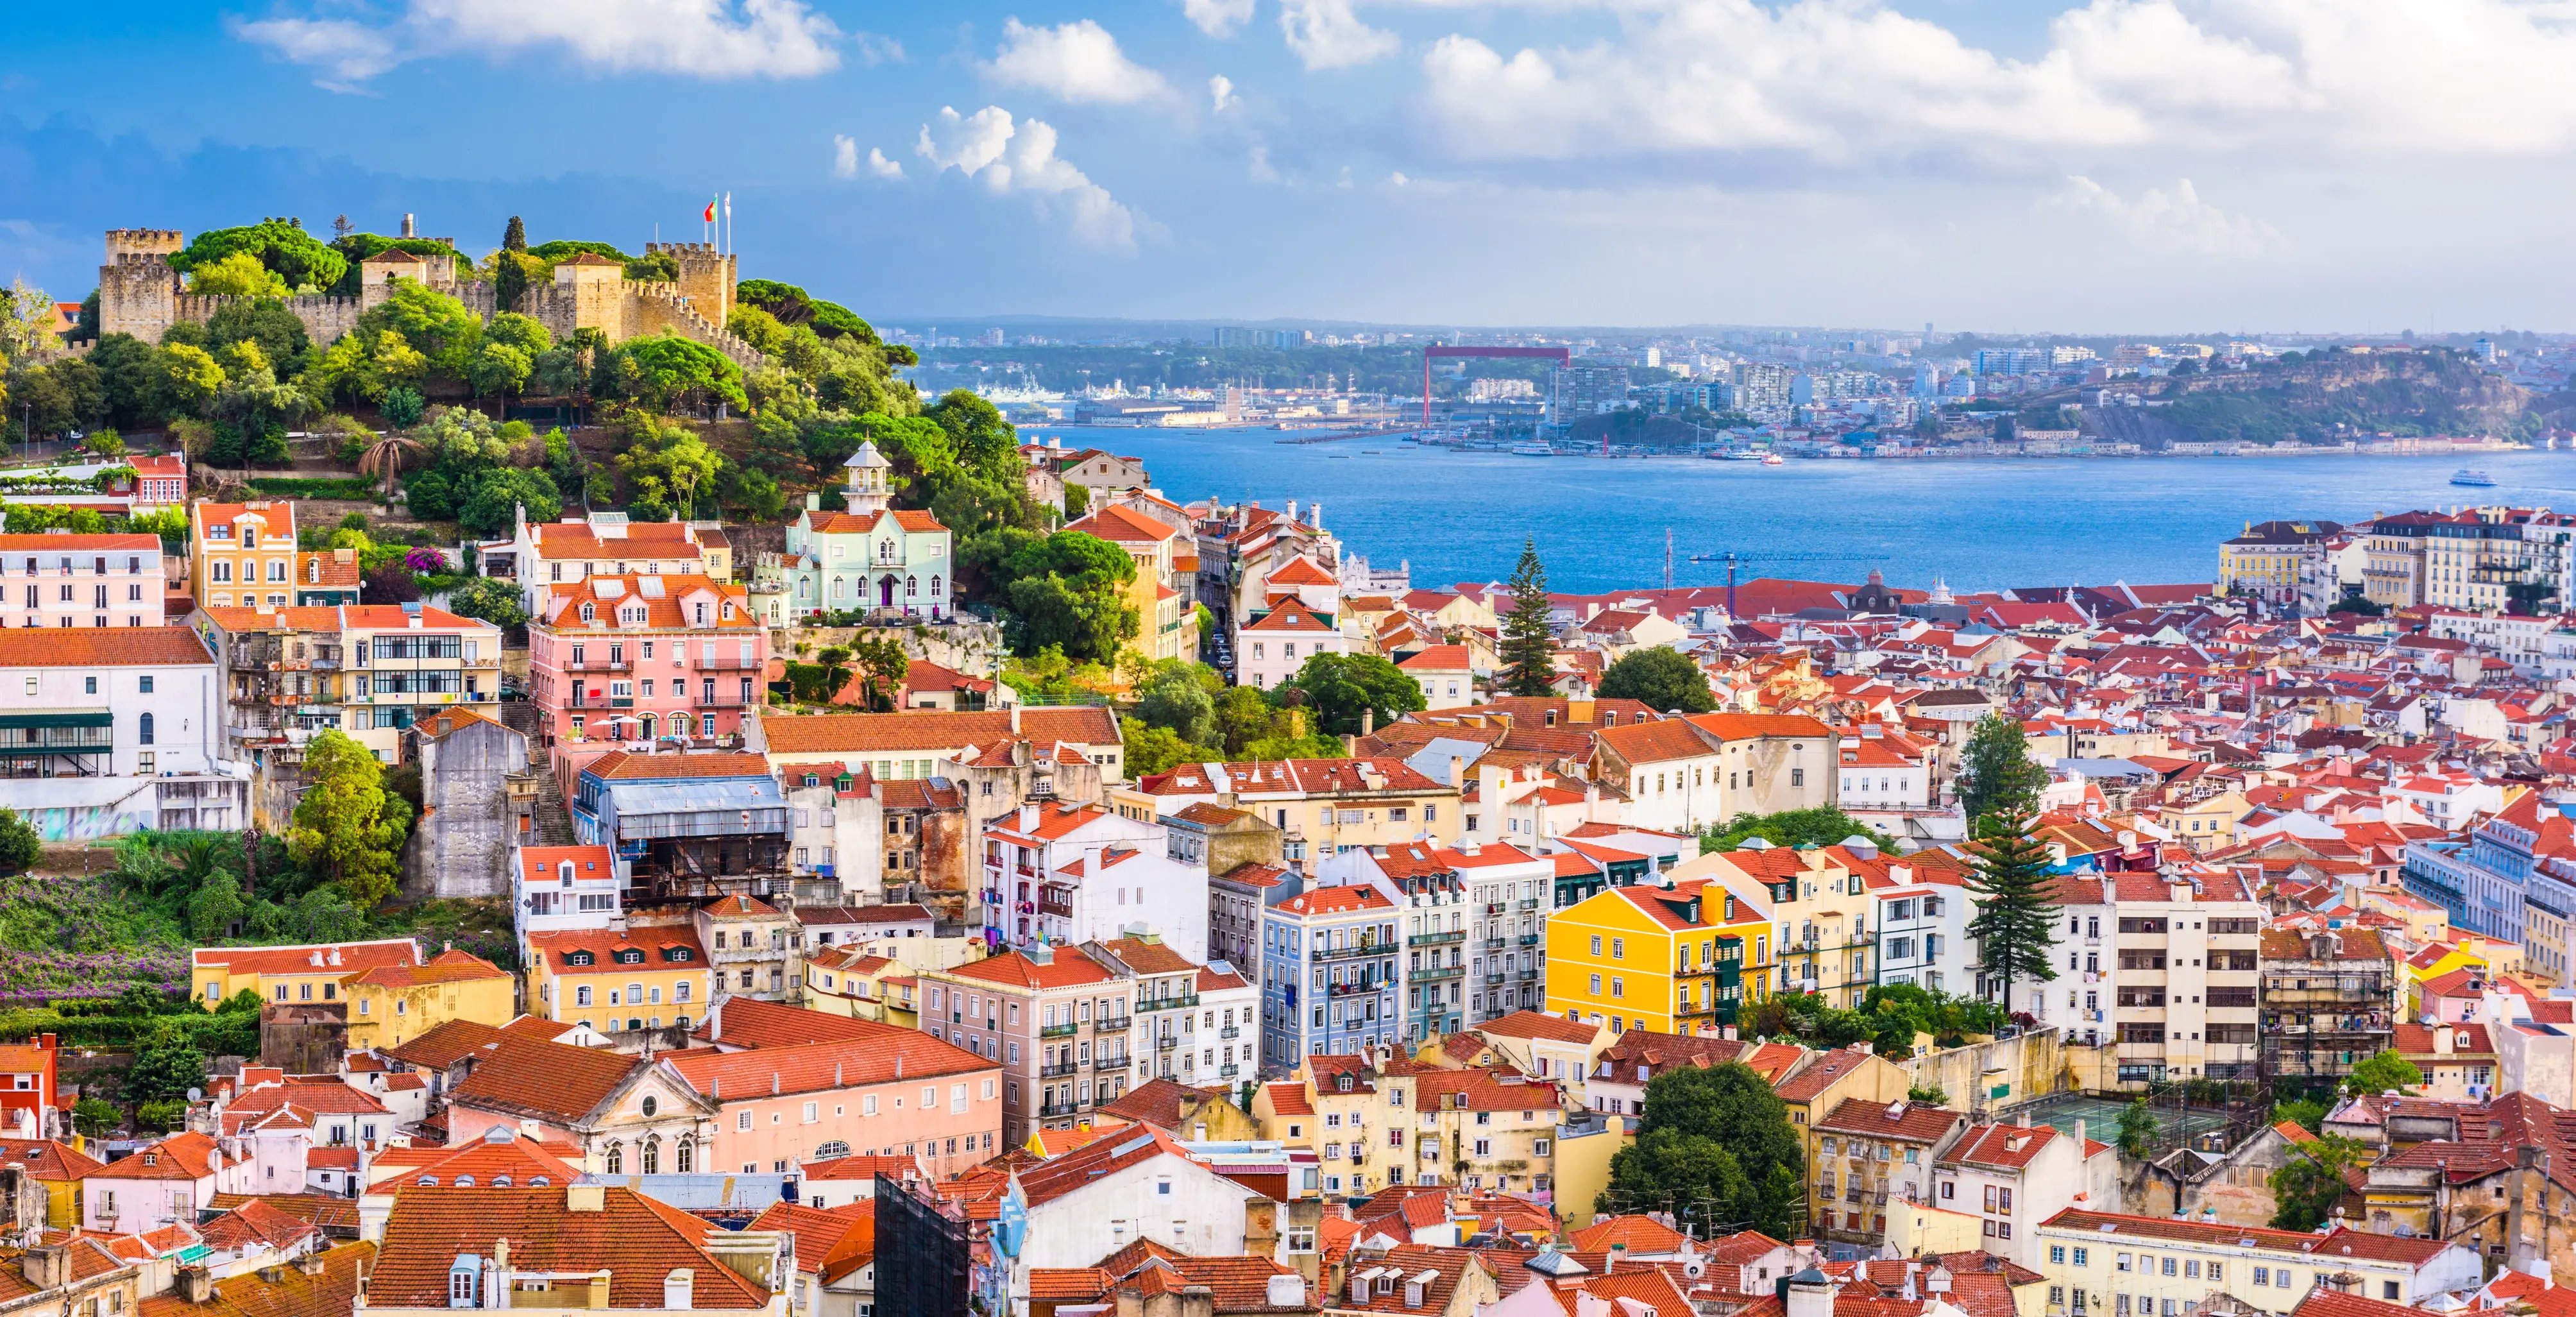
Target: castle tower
[[138, 292], [706, 277], [867, 494]]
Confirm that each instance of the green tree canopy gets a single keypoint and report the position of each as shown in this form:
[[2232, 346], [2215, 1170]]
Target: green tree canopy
[[1341, 688], [665, 372], [2306, 1187], [19, 845], [2138, 1130], [2384, 1073], [166, 1065], [1179, 700], [1996, 772], [436, 325], [348, 828], [236, 274], [1069, 590], [303, 262], [1716, 1149], [1660, 677], [1822, 826]]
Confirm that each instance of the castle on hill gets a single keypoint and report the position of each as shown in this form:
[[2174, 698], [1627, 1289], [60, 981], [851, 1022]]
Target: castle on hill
[[139, 293]]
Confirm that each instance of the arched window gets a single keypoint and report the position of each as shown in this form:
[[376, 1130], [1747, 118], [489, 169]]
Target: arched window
[[144, 730], [911, 587], [645, 724], [564, 872], [829, 1151], [616, 1159], [934, 586], [684, 1157], [581, 995], [652, 1158]]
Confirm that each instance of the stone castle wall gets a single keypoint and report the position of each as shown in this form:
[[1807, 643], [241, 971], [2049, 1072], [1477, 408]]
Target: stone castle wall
[[139, 294]]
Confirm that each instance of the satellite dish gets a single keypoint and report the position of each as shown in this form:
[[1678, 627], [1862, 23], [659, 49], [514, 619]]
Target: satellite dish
[[196, 1095]]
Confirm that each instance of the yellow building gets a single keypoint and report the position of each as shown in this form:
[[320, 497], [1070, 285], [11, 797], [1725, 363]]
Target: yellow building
[[242, 554], [2205, 825], [636, 978], [393, 1004], [1668, 958], [1320, 806], [1814, 1091], [1375, 1121], [2269, 560], [849, 981], [315, 972], [1821, 941], [1166, 625]]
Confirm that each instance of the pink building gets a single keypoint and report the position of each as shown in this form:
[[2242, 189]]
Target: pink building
[[901, 1093], [624, 660]]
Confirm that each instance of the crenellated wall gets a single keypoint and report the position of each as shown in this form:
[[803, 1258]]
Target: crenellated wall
[[139, 294]]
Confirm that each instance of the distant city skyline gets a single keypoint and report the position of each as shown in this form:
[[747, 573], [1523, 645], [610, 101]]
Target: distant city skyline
[[2143, 167]]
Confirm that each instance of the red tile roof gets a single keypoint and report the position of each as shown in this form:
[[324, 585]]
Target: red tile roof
[[101, 647], [764, 1072], [638, 1240]]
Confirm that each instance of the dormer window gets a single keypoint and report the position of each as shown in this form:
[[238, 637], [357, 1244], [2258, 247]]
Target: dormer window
[[579, 958], [630, 956], [589, 613], [564, 871], [679, 953]]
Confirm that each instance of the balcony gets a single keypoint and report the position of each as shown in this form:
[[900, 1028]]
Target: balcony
[[1182, 1002], [1113, 1023], [1118, 1062], [595, 664], [1496, 907], [1056, 1110], [1365, 948], [1529, 939], [1166, 1042], [1356, 989], [1439, 972], [1048, 905], [1228, 1071], [1495, 943], [1064, 1030], [1060, 1070], [1450, 938], [1230, 1033]]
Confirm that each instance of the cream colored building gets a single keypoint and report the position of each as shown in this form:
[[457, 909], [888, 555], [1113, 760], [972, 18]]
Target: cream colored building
[[2134, 1266]]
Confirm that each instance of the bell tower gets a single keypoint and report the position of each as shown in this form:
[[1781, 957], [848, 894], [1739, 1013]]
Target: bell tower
[[867, 494]]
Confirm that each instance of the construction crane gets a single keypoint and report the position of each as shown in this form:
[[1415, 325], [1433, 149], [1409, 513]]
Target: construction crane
[[1732, 558]]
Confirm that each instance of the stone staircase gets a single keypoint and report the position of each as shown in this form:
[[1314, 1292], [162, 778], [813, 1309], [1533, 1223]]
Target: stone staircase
[[549, 822]]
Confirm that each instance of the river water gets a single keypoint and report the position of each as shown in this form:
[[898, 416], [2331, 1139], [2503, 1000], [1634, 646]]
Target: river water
[[1977, 523]]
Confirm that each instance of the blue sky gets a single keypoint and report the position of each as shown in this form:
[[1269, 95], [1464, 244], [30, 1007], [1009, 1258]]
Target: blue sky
[[1995, 164]]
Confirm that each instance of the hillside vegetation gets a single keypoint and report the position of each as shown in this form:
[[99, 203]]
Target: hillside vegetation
[[2323, 398]]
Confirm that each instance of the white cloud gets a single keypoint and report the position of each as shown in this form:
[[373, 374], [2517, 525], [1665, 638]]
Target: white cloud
[[719, 39], [1078, 62], [1220, 93], [1258, 165], [845, 157], [1017, 157], [2181, 222], [874, 50], [882, 167], [1844, 79], [1218, 18], [1328, 34]]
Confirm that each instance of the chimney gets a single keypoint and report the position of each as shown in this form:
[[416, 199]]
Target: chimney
[[196, 1284], [310, 1264], [676, 1288], [1287, 1291], [585, 1198], [46, 1266], [1810, 1295]]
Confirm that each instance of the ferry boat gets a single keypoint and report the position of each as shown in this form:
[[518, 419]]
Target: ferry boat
[[1746, 457], [2472, 477], [1532, 450], [1774, 459]]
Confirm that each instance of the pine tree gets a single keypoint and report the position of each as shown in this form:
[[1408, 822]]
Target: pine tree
[[1996, 773], [515, 237], [2016, 921], [1529, 644], [510, 265]]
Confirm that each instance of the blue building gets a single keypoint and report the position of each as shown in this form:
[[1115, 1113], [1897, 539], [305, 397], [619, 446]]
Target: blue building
[[1329, 975], [2488, 883]]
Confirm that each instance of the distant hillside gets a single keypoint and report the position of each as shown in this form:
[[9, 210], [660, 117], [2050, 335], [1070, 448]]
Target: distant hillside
[[2324, 398]]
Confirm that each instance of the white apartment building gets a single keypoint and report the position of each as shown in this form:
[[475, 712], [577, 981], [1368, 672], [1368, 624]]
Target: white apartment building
[[560, 887], [2187, 1001], [2013, 1177], [65, 580], [1922, 924], [1473, 936], [109, 731], [2078, 1001], [2112, 1265], [1060, 874], [1195, 1024]]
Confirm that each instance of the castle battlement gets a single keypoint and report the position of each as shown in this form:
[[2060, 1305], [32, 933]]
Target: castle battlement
[[157, 242], [138, 260], [706, 249]]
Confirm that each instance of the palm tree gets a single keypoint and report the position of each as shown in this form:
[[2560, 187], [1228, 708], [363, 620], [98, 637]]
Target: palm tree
[[384, 458]]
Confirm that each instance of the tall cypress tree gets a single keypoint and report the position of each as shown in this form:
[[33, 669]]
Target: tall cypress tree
[[509, 272], [2016, 921], [1529, 644]]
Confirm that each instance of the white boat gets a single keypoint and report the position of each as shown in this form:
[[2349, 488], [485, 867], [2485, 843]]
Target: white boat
[[1532, 450], [1774, 459], [2472, 477], [1746, 457]]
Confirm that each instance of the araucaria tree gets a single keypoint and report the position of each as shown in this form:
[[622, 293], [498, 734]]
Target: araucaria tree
[[1996, 772], [1529, 644], [2016, 920]]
